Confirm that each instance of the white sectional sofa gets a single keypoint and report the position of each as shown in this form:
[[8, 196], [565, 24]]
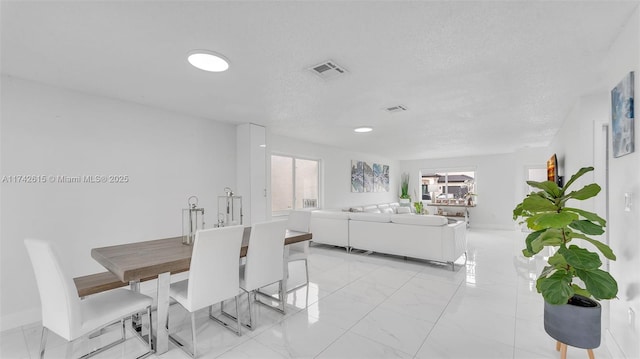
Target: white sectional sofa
[[427, 237], [330, 227]]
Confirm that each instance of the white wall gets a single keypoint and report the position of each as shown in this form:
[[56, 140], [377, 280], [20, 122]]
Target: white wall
[[624, 177], [336, 172], [498, 179], [49, 131], [580, 143], [575, 142]]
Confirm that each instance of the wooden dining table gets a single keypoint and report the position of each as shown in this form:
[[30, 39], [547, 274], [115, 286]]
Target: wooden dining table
[[135, 262]]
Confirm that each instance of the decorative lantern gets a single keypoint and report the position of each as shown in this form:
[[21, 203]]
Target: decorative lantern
[[229, 209], [192, 220]]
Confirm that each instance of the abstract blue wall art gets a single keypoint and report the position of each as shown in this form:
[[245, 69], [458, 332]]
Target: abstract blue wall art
[[368, 177], [357, 179], [385, 178], [622, 117], [377, 178]]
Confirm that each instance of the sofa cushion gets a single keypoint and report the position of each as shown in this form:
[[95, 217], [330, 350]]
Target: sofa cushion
[[371, 217], [371, 209], [426, 220], [386, 210], [383, 205], [403, 210], [329, 214]]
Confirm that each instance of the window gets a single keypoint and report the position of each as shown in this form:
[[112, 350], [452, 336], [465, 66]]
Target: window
[[294, 183], [448, 184]]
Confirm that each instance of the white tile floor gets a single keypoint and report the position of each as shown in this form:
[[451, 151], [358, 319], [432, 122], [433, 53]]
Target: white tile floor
[[373, 306]]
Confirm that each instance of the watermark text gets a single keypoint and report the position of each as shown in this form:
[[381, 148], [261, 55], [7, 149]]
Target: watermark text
[[64, 179]]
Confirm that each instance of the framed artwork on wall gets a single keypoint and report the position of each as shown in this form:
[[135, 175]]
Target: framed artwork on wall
[[622, 117], [385, 178], [357, 179], [369, 177]]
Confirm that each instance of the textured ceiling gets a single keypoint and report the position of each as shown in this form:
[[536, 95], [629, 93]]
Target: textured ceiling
[[477, 77]]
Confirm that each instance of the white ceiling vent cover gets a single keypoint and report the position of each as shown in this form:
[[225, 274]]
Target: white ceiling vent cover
[[328, 70], [397, 108]]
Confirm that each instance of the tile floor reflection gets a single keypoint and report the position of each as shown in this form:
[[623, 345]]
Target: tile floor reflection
[[364, 305]]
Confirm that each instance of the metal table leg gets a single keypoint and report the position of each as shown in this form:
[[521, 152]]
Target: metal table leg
[[136, 322], [285, 272], [161, 332]]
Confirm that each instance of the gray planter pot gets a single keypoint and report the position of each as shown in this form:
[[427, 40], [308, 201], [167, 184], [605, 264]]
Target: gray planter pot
[[576, 324]]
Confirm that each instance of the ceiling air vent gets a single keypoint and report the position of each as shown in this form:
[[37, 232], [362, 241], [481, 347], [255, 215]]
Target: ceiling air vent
[[328, 70], [394, 109]]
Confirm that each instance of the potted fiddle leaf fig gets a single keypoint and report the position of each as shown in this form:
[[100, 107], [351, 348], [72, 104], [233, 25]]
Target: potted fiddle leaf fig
[[572, 281]]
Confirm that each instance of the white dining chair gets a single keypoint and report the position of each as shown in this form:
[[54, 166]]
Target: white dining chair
[[65, 314], [213, 277], [265, 263], [299, 221]]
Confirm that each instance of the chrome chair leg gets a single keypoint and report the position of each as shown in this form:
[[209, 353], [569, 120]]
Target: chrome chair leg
[[237, 330], [282, 295], [250, 324], [238, 316], [179, 344], [193, 333], [151, 348], [43, 341]]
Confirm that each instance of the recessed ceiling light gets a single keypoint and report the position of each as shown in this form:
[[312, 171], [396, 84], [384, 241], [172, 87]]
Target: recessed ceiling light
[[363, 129], [208, 60]]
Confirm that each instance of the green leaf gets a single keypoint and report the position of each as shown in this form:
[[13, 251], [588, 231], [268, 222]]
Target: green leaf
[[550, 237], [580, 258], [538, 204], [557, 260], [546, 237], [588, 215], [581, 291], [551, 220], [587, 227], [586, 192], [530, 238], [556, 288], [577, 175], [549, 187], [517, 212], [547, 271], [599, 283], [603, 248]]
